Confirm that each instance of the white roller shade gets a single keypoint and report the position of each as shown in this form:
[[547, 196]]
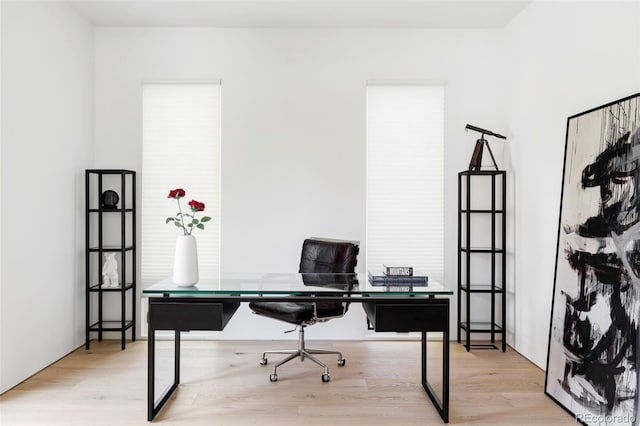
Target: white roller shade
[[180, 149], [405, 153]]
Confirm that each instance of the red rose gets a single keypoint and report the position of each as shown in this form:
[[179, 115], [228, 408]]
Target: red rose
[[186, 221], [176, 193], [196, 206]]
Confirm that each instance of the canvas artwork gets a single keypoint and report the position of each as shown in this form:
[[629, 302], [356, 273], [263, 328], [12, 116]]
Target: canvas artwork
[[592, 364]]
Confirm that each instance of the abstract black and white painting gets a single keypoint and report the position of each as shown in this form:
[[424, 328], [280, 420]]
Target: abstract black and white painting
[[592, 364]]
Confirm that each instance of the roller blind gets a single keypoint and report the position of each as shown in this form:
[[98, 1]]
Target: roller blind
[[180, 149], [405, 154]]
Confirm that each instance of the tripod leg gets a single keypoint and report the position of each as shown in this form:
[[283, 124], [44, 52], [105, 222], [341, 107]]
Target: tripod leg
[[476, 157], [491, 154]]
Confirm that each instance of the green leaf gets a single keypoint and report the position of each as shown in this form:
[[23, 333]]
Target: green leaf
[[205, 219], [195, 221], [178, 224], [169, 219], [200, 226]]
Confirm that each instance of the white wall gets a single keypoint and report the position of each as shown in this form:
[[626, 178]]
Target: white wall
[[564, 58], [293, 126], [46, 144], [292, 99]]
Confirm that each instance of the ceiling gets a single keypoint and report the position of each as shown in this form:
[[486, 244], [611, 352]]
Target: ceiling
[[301, 13]]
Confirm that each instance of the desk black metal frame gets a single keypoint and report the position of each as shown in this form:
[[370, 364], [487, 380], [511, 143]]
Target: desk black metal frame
[[385, 312]]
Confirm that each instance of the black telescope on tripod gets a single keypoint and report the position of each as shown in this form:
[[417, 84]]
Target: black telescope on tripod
[[476, 158]]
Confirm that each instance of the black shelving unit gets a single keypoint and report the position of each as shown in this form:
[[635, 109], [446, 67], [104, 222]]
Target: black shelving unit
[[472, 206], [110, 228]]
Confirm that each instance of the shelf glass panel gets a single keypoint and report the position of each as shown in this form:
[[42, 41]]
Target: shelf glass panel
[[110, 326], [481, 250], [481, 288], [481, 211], [96, 210], [96, 288], [481, 172], [111, 248], [480, 327]]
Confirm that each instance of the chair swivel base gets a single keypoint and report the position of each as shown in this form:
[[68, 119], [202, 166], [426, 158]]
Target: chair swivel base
[[302, 353]]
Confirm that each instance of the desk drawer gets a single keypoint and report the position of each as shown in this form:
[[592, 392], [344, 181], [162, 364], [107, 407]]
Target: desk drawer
[[187, 316], [401, 317]]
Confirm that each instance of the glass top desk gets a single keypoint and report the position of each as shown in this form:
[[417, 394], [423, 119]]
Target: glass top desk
[[210, 304]]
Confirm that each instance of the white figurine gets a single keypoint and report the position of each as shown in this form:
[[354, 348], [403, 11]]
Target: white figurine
[[110, 270]]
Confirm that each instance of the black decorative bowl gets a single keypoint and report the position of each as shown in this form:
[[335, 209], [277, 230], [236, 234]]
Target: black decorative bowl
[[110, 199]]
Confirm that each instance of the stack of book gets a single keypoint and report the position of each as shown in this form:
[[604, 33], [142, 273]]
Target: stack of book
[[397, 276]]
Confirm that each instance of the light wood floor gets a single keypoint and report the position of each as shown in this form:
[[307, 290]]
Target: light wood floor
[[223, 384]]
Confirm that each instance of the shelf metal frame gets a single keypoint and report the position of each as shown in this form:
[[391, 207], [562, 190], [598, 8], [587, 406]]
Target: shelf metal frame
[[93, 283], [497, 251]]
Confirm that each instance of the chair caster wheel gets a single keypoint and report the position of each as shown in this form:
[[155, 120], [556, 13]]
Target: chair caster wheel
[[325, 378], [342, 362], [263, 361], [273, 377]]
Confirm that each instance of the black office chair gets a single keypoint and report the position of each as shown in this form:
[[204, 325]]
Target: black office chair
[[320, 259]]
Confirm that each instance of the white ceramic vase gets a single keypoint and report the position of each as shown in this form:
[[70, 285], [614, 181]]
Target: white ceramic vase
[[185, 261]]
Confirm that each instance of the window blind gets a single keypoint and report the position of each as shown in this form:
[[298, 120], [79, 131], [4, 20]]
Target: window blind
[[405, 155], [180, 149]]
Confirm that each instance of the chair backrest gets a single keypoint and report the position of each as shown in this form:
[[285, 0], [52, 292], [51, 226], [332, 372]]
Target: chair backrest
[[324, 257], [321, 255]]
